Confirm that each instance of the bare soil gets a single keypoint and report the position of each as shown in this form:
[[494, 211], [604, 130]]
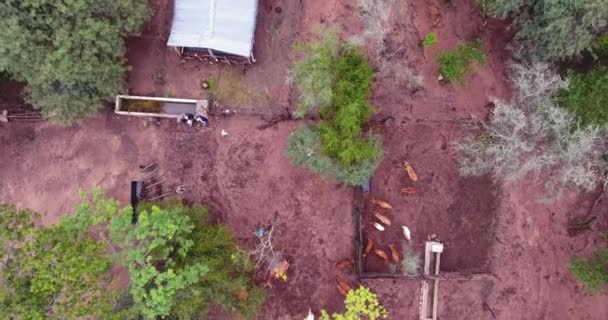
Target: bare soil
[[246, 180]]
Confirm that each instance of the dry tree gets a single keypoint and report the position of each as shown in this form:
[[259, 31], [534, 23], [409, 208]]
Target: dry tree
[[531, 135], [374, 16], [266, 257]]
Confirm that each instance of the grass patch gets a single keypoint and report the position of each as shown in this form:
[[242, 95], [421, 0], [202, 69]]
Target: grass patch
[[232, 90], [429, 40], [592, 272], [587, 96], [454, 64]]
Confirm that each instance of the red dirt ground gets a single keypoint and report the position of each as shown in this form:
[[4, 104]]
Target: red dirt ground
[[245, 178]]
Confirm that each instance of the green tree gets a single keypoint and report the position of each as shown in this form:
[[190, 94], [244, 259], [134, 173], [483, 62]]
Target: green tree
[[360, 303], [586, 96], [337, 146], [551, 29], [150, 249], [592, 272], [228, 282], [70, 53], [178, 263], [454, 64], [51, 272]]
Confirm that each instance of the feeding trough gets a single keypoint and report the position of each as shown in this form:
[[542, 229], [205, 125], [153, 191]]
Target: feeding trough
[[140, 106]]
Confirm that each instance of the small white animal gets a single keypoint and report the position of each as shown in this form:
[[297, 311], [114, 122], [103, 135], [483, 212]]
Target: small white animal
[[406, 233], [378, 226], [310, 316]]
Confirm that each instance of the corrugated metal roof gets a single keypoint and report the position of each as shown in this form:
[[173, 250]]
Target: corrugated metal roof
[[223, 25]]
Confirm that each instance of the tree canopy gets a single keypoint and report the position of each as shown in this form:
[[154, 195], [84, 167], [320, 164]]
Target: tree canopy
[[360, 303], [52, 271], [70, 53], [552, 29], [334, 76], [178, 264]]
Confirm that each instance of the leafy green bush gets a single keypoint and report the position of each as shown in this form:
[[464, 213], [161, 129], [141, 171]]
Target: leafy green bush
[[360, 303], [600, 45], [304, 150], [228, 282], [454, 64], [587, 96], [70, 53], [313, 73], [177, 263], [429, 40], [549, 30], [337, 146], [593, 272], [349, 110], [49, 269]]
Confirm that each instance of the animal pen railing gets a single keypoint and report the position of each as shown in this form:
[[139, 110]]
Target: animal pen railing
[[429, 277]]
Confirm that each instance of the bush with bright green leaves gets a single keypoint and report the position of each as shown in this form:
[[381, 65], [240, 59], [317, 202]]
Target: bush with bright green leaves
[[360, 303], [178, 264], [600, 46], [70, 53], [337, 146], [304, 150], [549, 30], [592, 272], [454, 64], [429, 40], [48, 270], [587, 96]]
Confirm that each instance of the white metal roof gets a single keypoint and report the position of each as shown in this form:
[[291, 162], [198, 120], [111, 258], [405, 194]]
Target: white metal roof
[[223, 25]]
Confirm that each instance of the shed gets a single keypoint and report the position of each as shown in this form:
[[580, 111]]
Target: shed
[[215, 28]]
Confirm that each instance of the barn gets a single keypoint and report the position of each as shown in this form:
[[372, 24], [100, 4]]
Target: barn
[[222, 30]]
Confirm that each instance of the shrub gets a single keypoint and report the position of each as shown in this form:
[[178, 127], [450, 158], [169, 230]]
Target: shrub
[[600, 46], [304, 150], [47, 270], [337, 146], [313, 73], [178, 263], [593, 272], [429, 40], [454, 64], [531, 135], [360, 303], [349, 110], [587, 96], [549, 30], [70, 53]]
